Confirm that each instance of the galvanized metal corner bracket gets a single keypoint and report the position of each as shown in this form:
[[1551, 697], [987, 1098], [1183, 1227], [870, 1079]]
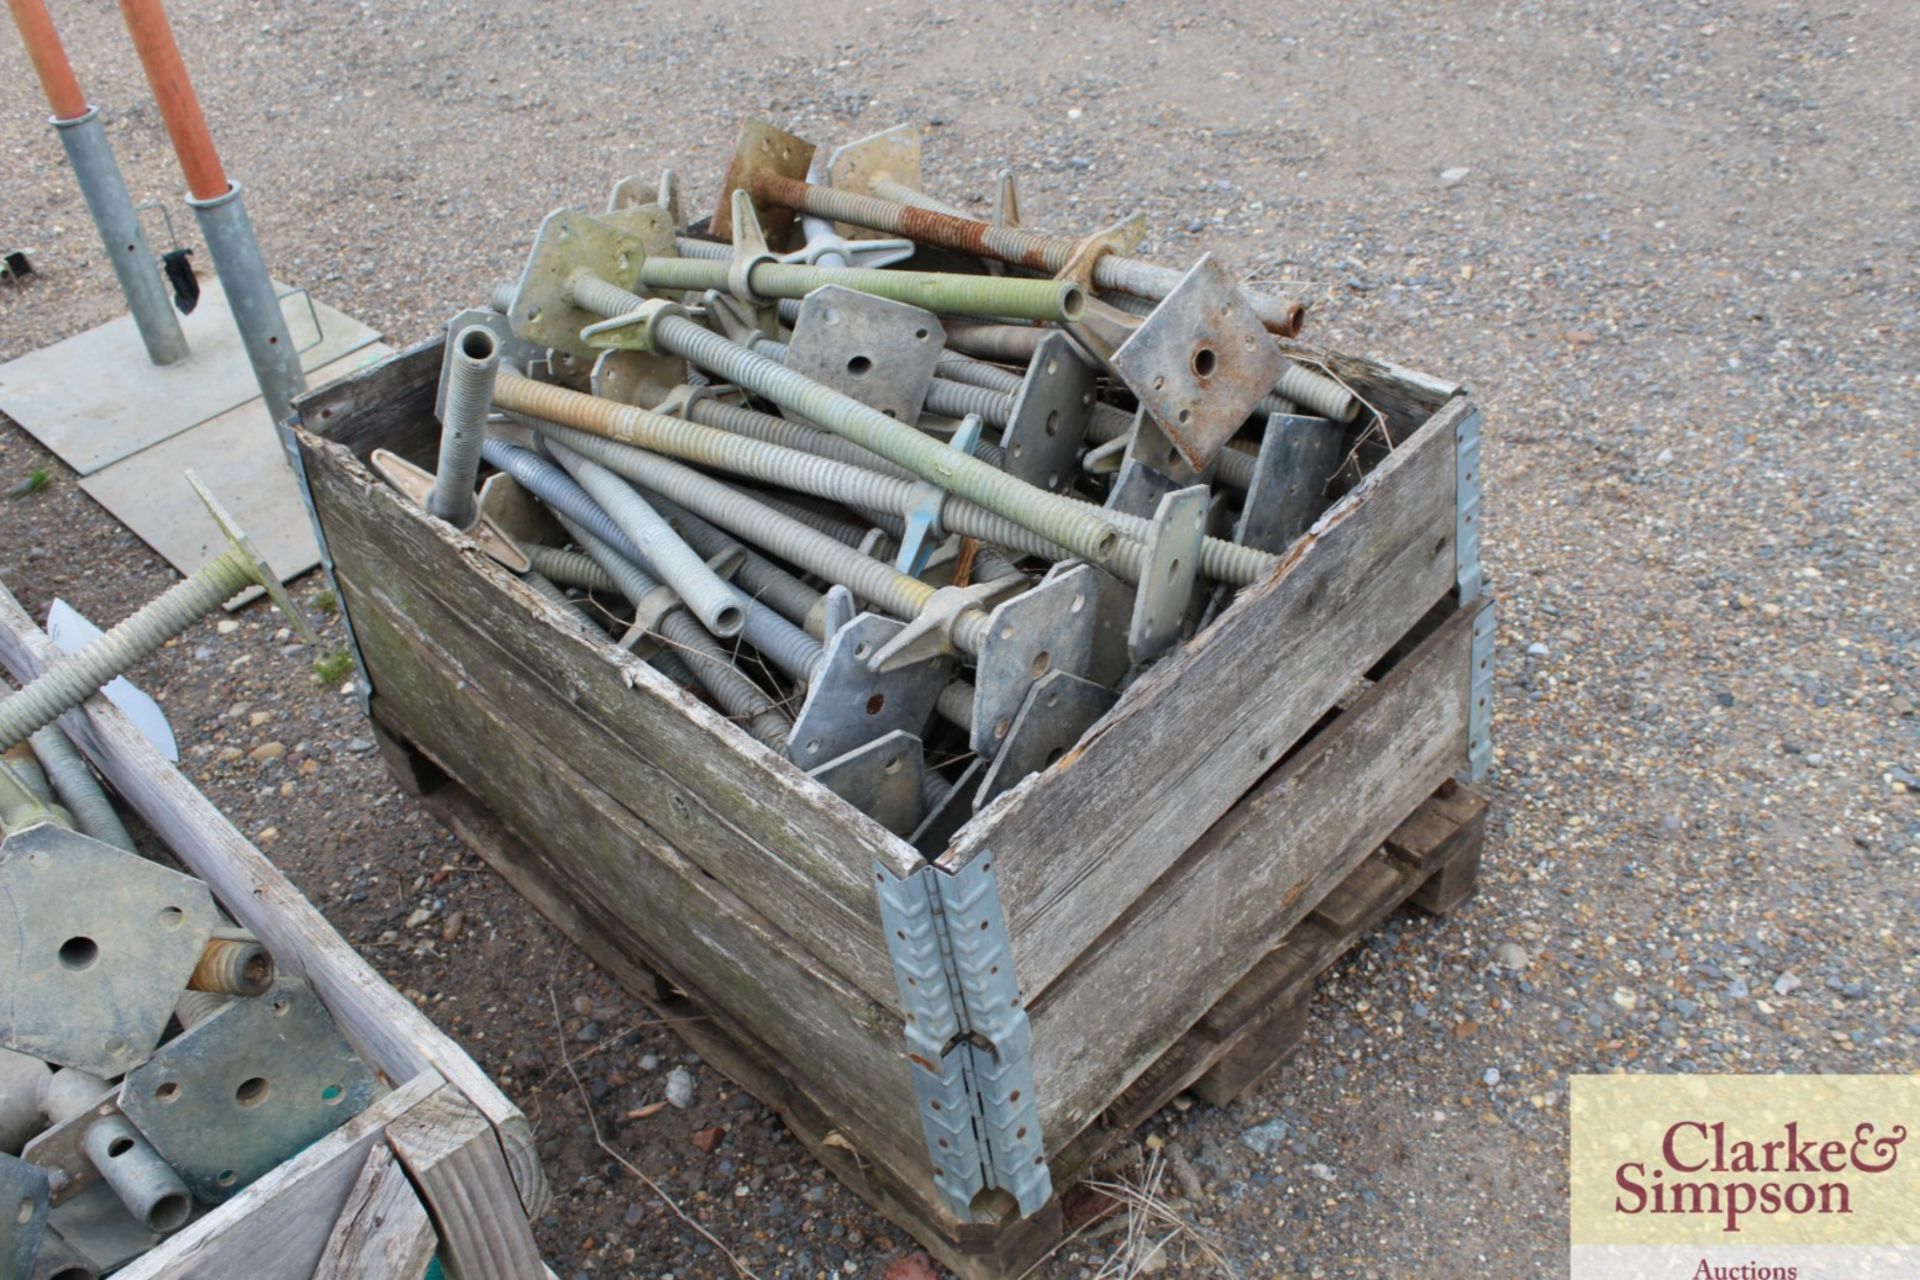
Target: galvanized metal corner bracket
[[1470, 580], [967, 1034]]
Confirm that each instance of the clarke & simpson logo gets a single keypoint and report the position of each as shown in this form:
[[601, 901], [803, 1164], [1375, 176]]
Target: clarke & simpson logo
[[1744, 1177]]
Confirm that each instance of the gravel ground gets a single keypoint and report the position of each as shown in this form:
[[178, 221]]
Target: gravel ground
[[1670, 245]]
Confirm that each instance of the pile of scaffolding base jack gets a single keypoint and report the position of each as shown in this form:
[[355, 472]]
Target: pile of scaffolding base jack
[[151, 1064], [909, 496]]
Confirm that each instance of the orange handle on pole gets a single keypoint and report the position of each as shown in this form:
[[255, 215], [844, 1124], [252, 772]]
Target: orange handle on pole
[[49, 59], [173, 92]]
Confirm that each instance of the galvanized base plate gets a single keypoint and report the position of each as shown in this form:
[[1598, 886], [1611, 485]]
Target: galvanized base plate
[[94, 399], [23, 1214], [1058, 710], [1047, 422], [570, 241], [1297, 458], [761, 148], [1048, 628], [97, 1227], [881, 779], [95, 947], [893, 153], [257, 1082], [880, 352], [1200, 363], [849, 705]]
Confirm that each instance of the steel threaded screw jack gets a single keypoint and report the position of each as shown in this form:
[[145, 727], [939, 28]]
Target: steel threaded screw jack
[[70, 680]]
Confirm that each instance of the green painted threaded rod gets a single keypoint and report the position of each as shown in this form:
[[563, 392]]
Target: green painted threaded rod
[[954, 295], [1054, 518], [70, 680]]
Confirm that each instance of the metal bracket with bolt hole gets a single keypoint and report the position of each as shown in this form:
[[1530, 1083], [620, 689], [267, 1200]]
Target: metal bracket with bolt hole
[[1058, 709], [1112, 612], [641, 378], [849, 703], [234, 1096], [761, 150], [1200, 363], [880, 352], [98, 945], [1298, 457], [415, 484], [930, 633], [543, 311], [967, 1036], [1046, 628], [881, 778], [1048, 419], [1167, 577], [1138, 489]]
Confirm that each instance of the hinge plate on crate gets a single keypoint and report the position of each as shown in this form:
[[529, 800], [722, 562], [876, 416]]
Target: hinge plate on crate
[[1471, 582], [967, 1034]]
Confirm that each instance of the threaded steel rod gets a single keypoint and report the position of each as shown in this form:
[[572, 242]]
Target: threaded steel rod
[[1044, 513], [81, 792], [766, 582], [1008, 244], [475, 359], [1020, 299], [72, 678], [567, 568]]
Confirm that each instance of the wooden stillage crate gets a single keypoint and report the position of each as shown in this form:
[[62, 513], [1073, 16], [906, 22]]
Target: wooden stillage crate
[[959, 1040], [443, 1162]]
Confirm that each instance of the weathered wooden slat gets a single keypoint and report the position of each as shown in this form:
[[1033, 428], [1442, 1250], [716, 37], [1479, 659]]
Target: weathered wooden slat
[[1243, 884], [1077, 846], [442, 1142], [386, 406], [383, 1026], [382, 1231], [633, 887], [277, 1228], [796, 852]]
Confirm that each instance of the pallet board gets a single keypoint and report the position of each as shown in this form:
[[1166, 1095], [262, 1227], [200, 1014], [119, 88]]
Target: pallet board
[[1266, 785]]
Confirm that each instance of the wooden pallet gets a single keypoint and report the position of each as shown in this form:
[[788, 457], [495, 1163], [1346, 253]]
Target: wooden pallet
[[444, 1161], [1431, 862]]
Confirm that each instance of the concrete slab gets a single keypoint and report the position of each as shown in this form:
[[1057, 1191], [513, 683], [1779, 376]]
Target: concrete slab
[[94, 399], [239, 458]]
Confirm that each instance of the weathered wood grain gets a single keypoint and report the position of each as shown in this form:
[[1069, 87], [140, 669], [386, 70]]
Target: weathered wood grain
[[1075, 847], [1243, 884], [796, 852], [383, 1026], [277, 1228], [629, 884], [383, 1230], [446, 1148], [386, 406]]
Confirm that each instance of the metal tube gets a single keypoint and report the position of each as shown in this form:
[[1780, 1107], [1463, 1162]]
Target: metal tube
[[475, 358], [699, 587], [121, 236], [233, 967], [145, 1183], [81, 792], [173, 94], [1020, 299], [255, 306]]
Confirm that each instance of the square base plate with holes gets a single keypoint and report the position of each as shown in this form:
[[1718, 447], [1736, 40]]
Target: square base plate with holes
[[1167, 578], [257, 1082], [1059, 709], [881, 779], [239, 455], [542, 314], [1047, 422], [849, 706], [1200, 363], [880, 352], [99, 1229], [760, 149], [1112, 610], [892, 153], [1045, 628], [23, 1214], [95, 946], [950, 814], [1298, 457], [95, 398]]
